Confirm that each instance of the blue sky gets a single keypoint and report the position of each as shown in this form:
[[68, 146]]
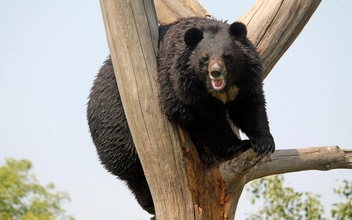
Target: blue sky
[[50, 52]]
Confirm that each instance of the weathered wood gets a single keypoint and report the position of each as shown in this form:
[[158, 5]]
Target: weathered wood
[[181, 186], [274, 25], [312, 158], [171, 10], [208, 188], [247, 167], [132, 34]]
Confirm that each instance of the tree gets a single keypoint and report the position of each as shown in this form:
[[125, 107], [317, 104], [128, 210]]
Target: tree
[[23, 198], [190, 189], [281, 202], [343, 210]]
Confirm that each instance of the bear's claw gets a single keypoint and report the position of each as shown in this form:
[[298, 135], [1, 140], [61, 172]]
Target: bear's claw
[[263, 144]]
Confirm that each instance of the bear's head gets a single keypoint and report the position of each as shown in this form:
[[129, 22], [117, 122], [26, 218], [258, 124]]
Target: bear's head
[[222, 59]]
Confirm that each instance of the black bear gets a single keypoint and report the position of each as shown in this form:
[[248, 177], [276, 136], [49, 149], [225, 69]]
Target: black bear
[[208, 72]]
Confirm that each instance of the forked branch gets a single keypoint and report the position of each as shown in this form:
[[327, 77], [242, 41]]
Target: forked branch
[[175, 176]]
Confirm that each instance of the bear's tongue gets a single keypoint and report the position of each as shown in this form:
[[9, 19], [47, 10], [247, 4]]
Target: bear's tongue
[[218, 84]]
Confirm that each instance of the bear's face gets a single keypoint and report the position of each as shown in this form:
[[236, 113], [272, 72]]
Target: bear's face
[[217, 57]]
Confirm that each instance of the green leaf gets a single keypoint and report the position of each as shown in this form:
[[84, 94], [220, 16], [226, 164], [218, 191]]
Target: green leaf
[[23, 198], [282, 202]]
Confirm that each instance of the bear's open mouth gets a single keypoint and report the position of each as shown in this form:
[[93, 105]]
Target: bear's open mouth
[[218, 84]]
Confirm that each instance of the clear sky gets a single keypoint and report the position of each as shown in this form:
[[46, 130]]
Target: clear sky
[[50, 52]]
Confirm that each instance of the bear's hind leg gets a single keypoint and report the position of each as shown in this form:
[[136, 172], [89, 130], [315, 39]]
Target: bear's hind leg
[[140, 189]]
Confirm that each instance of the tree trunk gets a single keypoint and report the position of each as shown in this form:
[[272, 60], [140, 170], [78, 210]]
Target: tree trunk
[[171, 10], [182, 187]]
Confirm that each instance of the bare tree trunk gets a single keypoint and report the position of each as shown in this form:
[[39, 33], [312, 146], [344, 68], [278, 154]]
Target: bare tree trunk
[[132, 34], [181, 186], [172, 10]]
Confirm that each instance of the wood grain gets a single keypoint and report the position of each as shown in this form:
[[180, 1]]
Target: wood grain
[[169, 11], [294, 160], [273, 25], [132, 34], [181, 186]]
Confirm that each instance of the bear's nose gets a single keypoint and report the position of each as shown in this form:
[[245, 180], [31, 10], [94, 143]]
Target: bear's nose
[[215, 73], [215, 70]]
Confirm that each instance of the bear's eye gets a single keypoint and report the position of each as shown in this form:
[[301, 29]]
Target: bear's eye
[[228, 57], [205, 59]]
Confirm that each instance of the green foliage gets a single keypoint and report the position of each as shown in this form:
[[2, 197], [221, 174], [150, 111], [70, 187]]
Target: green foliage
[[23, 198], [343, 210], [283, 202]]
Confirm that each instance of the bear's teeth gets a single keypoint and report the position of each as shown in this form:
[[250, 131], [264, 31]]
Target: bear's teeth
[[218, 84]]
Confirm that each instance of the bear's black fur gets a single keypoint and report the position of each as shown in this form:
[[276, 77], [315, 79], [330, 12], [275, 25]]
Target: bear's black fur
[[208, 71]]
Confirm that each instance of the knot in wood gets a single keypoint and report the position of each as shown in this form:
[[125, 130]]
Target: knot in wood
[[327, 166]]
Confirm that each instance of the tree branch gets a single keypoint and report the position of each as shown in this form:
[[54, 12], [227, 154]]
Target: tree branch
[[274, 25], [182, 187], [241, 170], [285, 161], [132, 34], [312, 158], [171, 10]]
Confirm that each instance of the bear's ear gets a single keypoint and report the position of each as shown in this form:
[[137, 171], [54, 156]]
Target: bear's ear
[[193, 36], [238, 30]]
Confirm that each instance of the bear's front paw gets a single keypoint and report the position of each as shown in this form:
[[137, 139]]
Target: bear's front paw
[[228, 153], [263, 144], [240, 147]]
